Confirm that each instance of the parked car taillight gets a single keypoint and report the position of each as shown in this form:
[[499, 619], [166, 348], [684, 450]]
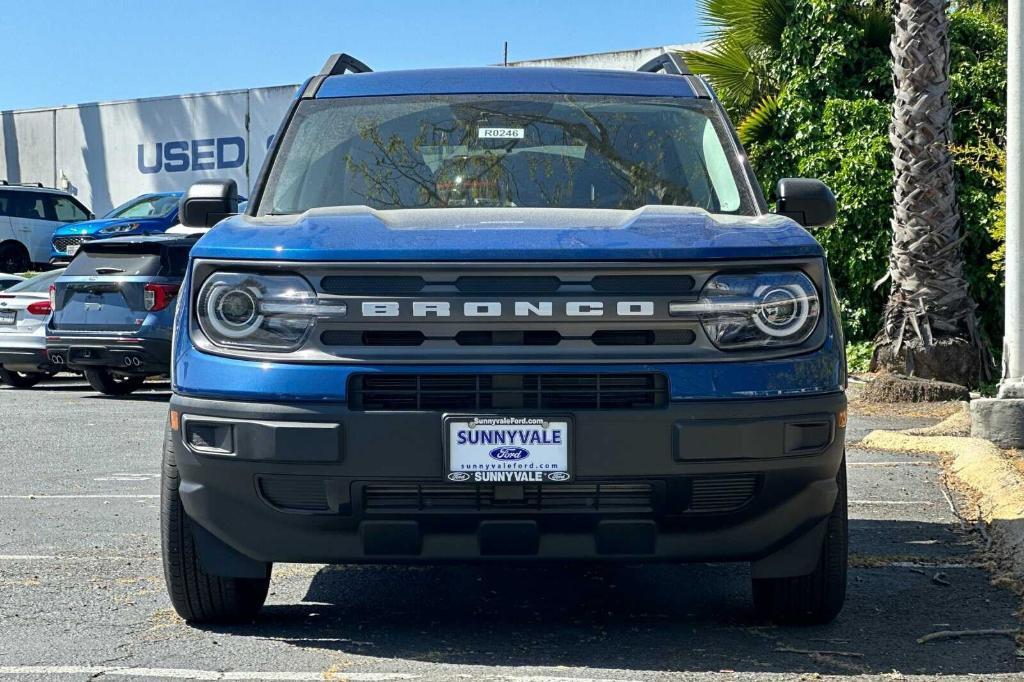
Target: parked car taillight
[[53, 296], [159, 296], [40, 307]]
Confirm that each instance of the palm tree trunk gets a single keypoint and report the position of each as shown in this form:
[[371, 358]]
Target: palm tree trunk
[[930, 328]]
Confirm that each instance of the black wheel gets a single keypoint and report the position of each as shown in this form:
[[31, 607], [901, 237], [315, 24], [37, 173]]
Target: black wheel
[[197, 596], [20, 379], [108, 383], [816, 598], [14, 258]]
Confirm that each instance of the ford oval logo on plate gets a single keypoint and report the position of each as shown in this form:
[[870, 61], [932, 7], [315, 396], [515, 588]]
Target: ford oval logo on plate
[[509, 453], [458, 476], [558, 476]]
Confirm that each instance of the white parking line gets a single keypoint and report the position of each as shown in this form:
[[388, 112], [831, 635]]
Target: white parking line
[[188, 674], [43, 496], [66, 558], [916, 503], [865, 465]]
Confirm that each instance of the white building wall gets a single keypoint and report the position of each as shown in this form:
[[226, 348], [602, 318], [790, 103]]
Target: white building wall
[[629, 60], [109, 152]]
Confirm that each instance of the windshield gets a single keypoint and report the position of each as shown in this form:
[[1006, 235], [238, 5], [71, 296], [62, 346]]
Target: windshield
[[551, 151], [147, 207]]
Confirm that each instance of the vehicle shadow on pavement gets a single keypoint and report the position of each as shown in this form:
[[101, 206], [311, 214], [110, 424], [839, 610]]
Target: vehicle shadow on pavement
[[150, 394], [660, 617]]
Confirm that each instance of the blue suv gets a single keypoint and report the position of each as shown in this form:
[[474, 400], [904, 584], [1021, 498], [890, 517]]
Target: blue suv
[[144, 215], [113, 310], [501, 315]]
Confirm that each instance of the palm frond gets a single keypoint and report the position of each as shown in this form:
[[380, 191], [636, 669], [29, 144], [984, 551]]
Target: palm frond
[[759, 124], [877, 24], [751, 23], [729, 68]]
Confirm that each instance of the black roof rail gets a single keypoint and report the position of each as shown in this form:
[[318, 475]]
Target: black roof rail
[[669, 62], [340, 63], [7, 183]]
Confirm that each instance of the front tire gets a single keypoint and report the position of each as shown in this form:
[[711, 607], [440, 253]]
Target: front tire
[[20, 379], [14, 258], [197, 596], [108, 383], [816, 598]]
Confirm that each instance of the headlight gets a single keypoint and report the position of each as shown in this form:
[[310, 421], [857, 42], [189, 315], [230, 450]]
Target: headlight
[[120, 229], [256, 312], [760, 310]]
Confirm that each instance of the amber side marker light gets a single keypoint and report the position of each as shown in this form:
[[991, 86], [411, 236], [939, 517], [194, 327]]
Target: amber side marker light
[[175, 420], [840, 419]]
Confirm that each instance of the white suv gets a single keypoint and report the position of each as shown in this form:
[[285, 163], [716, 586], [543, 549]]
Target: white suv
[[29, 213]]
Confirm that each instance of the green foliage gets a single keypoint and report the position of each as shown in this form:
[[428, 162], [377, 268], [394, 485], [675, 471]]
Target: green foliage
[[826, 110], [858, 356]]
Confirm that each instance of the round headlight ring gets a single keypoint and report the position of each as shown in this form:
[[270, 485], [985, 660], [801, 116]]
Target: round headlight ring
[[782, 310], [234, 299]]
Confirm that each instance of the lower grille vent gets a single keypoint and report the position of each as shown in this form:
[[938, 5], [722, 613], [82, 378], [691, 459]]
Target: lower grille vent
[[722, 493], [446, 392], [423, 498], [297, 493]]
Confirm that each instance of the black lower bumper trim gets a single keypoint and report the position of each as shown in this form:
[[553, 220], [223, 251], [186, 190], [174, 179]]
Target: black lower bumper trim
[[369, 486], [127, 355], [26, 360]]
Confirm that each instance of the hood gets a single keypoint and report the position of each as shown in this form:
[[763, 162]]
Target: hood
[[94, 226], [358, 233]]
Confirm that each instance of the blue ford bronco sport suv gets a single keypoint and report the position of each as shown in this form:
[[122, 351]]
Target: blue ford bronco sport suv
[[502, 315]]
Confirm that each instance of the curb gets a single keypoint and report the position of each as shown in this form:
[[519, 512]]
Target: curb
[[982, 467]]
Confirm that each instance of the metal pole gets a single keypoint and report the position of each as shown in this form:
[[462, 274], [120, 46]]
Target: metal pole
[[1012, 385]]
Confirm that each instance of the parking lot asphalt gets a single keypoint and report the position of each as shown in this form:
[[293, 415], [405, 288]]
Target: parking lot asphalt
[[82, 594]]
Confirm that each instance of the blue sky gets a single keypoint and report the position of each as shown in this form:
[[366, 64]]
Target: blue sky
[[69, 51]]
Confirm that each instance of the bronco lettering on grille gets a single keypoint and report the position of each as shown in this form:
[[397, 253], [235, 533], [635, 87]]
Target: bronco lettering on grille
[[518, 308]]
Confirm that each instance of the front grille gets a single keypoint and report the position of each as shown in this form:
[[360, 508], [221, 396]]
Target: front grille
[[722, 493], [61, 244], [513, 338], [384, 498], [296, 493], [449, 392]]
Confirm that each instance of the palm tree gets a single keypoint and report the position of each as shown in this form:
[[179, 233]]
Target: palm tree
[[930, 328]]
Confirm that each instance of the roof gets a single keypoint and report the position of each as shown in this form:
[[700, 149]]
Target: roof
[[500, 80], [32, 188], [140, 242]]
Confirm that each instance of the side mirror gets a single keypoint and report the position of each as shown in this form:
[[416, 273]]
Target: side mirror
[[809, 202], [207, 202]]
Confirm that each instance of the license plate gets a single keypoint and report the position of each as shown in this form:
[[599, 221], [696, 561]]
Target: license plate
[[8, 316], [72, 249], [507, 449]]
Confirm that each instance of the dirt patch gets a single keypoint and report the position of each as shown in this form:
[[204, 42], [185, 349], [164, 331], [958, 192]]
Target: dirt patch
[[867, 408], [894, 388]]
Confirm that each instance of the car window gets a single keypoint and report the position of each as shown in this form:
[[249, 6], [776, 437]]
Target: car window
[[172, 261], [66, 210], [552, 151], [148, 207], [39, 284], [27, 205], [4, 202]]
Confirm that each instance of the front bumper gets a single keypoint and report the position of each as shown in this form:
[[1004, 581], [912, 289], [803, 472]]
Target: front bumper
[[127, 355], [695, 481]]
